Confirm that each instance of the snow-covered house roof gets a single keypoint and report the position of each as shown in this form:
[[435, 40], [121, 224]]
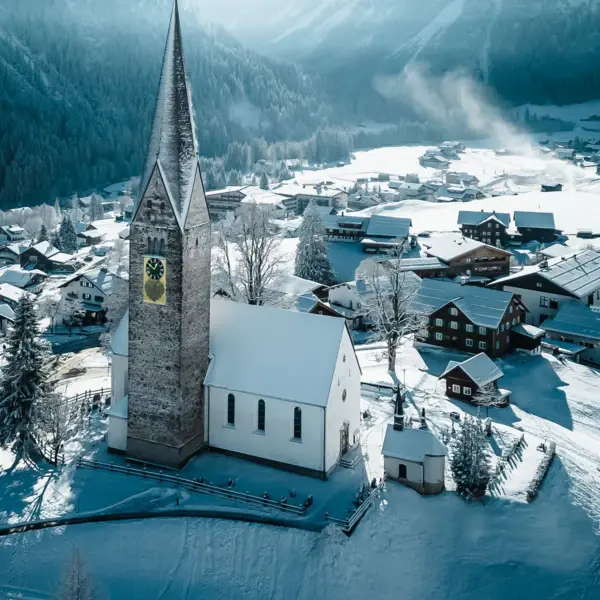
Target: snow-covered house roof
[[46, 249], [18, 277], [556, 250], [412, 445], [575, 319], [534, 220], [482, 306], [578, 274], [272, 352], [473, 217], [450, 247], [392, 227], [431, 263], [119, 340], [61, 258], [12, 293], [255, 195], [480, 369], [6, 312]]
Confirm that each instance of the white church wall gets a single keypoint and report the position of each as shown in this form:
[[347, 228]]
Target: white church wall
[[276, 443], [119, 367], [117, 434], [346, 377], [434, 469]]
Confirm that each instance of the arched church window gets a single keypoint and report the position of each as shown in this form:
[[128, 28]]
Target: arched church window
[[231, 409], [297, 424], [149, 204], [261, 415], [162, 206], [155, 246], [197, 242], [150, 247], [162, 247]]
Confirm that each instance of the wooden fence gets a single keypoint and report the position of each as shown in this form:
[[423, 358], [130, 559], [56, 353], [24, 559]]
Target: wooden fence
[[349, 525], [199, 486]]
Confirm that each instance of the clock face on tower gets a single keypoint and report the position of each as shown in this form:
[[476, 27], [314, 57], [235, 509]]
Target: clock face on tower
[[155, 280]]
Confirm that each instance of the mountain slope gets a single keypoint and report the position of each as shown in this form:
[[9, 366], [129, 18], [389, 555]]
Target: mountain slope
[[77, 90]]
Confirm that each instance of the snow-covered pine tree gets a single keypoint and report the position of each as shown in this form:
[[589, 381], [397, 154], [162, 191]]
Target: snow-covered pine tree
[[43, 234], [469, 459], [312, 260], [96, 208], [264, 181], [67, 236], [55, 240], [24, 380]]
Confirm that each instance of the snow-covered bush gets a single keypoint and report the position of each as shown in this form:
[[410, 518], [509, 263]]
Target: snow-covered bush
[[469, 459], [540, 474]]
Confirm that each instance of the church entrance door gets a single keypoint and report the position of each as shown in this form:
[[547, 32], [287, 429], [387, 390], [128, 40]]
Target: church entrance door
[[344, 438]]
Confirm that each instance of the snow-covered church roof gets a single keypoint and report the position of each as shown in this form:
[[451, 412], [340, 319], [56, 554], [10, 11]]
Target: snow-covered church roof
[[273, 352]]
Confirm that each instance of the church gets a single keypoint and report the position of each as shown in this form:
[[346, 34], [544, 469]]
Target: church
[[191, 373]]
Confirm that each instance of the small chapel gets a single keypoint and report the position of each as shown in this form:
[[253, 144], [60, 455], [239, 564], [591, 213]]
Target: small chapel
[[191, 373]]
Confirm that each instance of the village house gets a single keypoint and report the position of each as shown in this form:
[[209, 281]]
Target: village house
[[486, 227], [567, 154], [45, 257], [29, 280], [298, 196], [11, 254], [361, 200], [461, 178], [465, 379], [555, 250], [575, 330], [411, 191], [458, 193], [413, 457], [374, 231], [10, 294], [433, 159], [536, 226], [423, 266], [232, 198], [468, 318], [465, 256], [88, 234], [7, 318], [12, 234], [545, 287], [547, 187], [90, 286]]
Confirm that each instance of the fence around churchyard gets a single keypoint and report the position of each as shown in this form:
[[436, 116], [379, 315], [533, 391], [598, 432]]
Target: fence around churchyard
[[349, 525], [88, 398], [199, 486]]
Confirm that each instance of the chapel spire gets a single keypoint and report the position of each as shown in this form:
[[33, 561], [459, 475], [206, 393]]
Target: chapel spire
[[173, 138]]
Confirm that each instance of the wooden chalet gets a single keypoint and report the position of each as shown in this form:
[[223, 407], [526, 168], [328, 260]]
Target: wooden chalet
[[536, 226], [488, 227]]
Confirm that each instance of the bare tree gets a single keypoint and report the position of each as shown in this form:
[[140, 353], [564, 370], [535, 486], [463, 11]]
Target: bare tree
[[388, 301], [487, 395], [248, 259], [73, 312], [77, 583], [49, 307], [55, 422]]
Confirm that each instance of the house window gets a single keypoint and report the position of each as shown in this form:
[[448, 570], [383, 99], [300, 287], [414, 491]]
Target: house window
[[456, 388], [439, 337], [231, 409], [439, 322], [482, 331], [501, 327], [261, 415], [515, 321], [401, 471], [497, 345], [539, 284], [86, 296], [469, 343], [467, 391], [545, 302], [469, 328], [510, 308], [98, 299], [297, 424], [468, 260], [554, 304], [482, 345], [453, 325], [454, 312]]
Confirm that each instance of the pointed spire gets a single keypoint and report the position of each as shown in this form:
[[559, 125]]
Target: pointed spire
[[173, 136]]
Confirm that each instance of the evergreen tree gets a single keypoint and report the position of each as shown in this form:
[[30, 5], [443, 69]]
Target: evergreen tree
[[43, 235], [55, 240], [264, 181], [469, 460], [96, 208], [312, 261], [67, 236], [57, 208], [24, 380]]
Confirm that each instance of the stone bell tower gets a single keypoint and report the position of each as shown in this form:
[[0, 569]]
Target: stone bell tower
[[169, 284]]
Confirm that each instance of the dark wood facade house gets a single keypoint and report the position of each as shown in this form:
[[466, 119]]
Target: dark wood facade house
[[468, 318], [538, 226], [47, 258], [465, 379], [465, 256], [488, 227]]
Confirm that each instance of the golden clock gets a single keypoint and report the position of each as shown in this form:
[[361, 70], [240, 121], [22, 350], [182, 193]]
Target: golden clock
[[155, 280]]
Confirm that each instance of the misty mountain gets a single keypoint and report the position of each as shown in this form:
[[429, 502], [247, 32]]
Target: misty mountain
[[539, 51], [78, 84]]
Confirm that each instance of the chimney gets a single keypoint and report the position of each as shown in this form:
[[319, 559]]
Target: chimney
[[399, 411]]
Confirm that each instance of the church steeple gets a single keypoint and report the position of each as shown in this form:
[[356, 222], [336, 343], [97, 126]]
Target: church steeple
[[173, 147]]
